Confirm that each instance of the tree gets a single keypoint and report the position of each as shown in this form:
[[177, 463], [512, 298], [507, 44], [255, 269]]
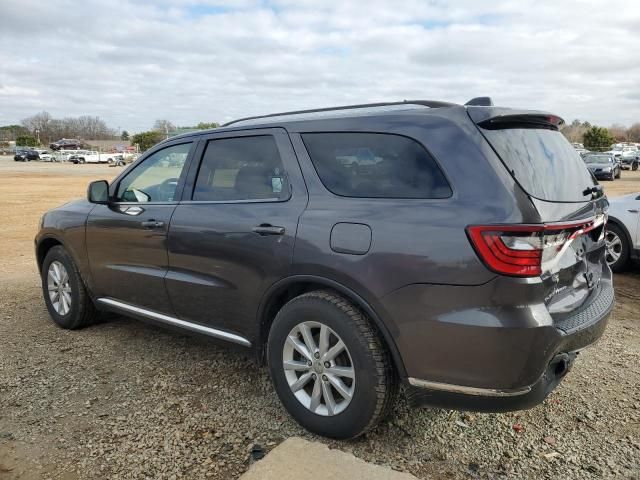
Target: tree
[[41, 123], [633, 133], [598, 138], [164, 126], [51, 129], [11, 132], [124, 136], [26, 141], [574, 131], [618, 132], [146, 140], [207, 126]]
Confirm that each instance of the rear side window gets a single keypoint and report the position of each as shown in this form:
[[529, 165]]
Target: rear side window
[[241, 168], [375, 165], [543, 162]]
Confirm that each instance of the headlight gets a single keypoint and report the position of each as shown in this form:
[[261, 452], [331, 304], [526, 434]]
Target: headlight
[[606, 169]]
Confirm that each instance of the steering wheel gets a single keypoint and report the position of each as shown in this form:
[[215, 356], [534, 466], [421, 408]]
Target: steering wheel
[[167, 189]]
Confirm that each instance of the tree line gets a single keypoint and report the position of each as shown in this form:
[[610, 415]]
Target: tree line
[[47, 129], [600, 138], [164, 129], [42, 129]]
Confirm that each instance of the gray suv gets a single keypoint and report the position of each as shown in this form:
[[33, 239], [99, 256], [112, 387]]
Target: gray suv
[[456, 249]]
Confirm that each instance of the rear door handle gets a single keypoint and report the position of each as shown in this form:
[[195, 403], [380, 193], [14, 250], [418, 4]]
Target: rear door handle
[[633, 210], [268, 230], [152, 224]]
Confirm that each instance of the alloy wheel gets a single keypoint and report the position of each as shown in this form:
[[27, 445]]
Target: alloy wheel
[[59, 287], [318, 368], [613, 247]]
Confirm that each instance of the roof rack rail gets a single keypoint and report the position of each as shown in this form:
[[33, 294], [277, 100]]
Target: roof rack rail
[[424, 103]]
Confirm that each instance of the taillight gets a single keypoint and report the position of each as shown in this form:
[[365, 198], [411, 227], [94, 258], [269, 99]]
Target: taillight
[[522, 250]]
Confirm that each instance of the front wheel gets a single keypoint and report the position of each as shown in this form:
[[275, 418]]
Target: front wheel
[[634, 166], [65, 295], [329, 366], [617, 248]]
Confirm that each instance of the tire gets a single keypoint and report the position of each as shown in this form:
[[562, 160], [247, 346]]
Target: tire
[[372, 386], [619, 174], [81, 311], [81, 161], [617, 248], [634, 166]]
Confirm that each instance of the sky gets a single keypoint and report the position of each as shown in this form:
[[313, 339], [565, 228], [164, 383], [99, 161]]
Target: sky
[[134, 61]]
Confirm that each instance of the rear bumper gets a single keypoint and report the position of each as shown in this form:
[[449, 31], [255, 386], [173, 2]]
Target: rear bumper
[[487, 400], [492, 358]]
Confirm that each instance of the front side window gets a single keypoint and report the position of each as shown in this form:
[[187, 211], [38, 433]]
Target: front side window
[[156, 178], [241, 168], [375, 165]]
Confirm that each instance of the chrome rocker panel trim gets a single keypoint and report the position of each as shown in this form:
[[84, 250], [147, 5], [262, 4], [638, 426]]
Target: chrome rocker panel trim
[[483, 392], [162, 318]]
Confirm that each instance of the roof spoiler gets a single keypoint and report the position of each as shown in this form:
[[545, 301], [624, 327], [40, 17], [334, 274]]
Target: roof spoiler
[[480, 102], [550, 122], [497, 118]]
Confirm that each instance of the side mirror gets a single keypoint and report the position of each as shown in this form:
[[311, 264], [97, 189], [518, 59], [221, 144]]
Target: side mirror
[[98, 192]]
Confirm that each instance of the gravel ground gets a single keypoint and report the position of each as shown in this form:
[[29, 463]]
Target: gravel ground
[[124, 399]]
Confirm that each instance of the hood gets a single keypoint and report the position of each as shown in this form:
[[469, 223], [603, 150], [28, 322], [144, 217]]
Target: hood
[[624, 198]]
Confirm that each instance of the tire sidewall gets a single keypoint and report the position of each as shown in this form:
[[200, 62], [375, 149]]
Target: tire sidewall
[[356, 417], [71, 319]]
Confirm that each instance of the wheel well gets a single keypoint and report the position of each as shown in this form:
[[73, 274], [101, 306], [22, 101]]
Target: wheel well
[[283, 295], [44, 247]]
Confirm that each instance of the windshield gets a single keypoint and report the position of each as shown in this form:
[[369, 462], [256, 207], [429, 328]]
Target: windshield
[[597, 159], [543, 162]]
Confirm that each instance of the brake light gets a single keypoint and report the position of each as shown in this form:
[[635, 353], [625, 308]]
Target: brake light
[[522, 250]]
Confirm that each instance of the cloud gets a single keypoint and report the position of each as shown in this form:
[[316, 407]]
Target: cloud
[[133, 61]]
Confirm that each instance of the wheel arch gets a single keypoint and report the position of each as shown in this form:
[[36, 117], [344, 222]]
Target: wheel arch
[[43, 246], [288, 288]]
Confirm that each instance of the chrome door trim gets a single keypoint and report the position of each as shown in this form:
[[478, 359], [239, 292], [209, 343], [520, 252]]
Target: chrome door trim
[[162, 318], [483, 392]]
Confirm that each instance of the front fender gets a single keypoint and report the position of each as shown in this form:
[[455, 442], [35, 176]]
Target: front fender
[[66, 226]]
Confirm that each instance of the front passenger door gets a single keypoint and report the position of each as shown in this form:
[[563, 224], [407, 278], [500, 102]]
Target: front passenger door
[[127, 239]]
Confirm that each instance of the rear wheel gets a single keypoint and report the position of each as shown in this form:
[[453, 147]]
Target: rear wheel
[[64, 292], [617, 248], [329, 366]]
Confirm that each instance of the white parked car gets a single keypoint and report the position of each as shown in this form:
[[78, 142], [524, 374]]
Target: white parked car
[[45, 156], [95, 157], [623, 233]]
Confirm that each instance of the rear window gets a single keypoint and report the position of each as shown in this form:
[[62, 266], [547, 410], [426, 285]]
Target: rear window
[[543, 162], [375, 165]]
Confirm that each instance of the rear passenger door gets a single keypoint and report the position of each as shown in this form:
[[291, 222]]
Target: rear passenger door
[[233, 233]]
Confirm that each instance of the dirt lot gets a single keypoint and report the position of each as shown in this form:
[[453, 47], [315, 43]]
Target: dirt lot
[[127, 400]]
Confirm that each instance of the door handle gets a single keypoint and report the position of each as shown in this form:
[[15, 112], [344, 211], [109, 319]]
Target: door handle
[[152, 224], [633, 210], [266, 229]]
